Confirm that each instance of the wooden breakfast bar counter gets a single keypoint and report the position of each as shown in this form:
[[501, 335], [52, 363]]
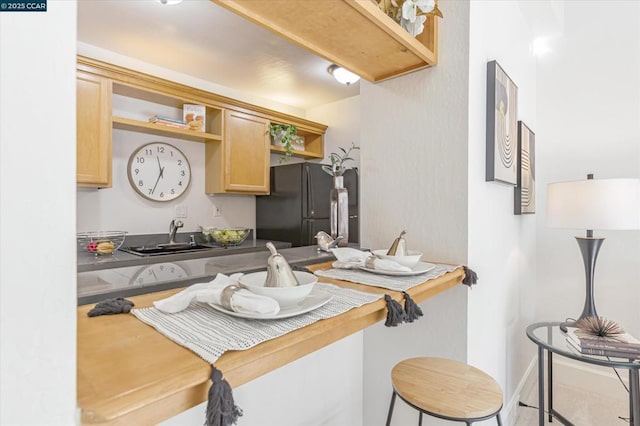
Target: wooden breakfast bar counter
[[128, 373]]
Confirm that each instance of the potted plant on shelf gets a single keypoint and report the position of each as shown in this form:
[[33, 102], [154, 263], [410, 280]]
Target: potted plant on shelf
[[285, 135]]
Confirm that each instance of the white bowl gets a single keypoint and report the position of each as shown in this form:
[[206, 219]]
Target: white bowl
[[411, 259], [285, 296]]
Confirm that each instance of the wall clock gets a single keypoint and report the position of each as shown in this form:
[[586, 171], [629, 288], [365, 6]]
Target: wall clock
[[159, 171]]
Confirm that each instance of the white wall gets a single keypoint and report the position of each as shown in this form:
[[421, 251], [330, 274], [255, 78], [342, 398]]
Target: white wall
[[589, 122], [343, 119], [121, 208], [501, 244], [414, 176], [37, 216], [322, 388]]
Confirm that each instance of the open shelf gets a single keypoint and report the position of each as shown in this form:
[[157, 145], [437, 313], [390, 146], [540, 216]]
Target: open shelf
[[354, 34], [296, 153], [159, 130], [313, 144]]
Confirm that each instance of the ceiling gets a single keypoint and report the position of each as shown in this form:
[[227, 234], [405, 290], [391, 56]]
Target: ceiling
[[203, 40]]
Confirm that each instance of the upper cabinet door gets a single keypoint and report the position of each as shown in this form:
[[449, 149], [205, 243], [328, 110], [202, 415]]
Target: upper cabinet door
[[93, 127], [246, 153]]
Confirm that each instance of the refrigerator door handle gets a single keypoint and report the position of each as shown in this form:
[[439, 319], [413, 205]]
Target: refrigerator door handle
[[310, 203]]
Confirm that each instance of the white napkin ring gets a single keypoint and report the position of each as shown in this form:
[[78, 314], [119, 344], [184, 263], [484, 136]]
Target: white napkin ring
[[226, 294], [369, 262]]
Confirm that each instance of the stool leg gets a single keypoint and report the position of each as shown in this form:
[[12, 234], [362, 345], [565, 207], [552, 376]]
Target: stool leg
[[499, 419], [393, 401], [420, 419]]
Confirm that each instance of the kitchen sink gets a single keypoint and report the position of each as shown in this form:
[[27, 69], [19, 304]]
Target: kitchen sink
[[161, 249]]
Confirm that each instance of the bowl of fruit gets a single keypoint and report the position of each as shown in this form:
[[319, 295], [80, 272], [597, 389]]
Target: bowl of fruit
[[225, 237], [101, 242]]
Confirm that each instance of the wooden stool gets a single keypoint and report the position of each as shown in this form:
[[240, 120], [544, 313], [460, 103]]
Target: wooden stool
[[446, 389]]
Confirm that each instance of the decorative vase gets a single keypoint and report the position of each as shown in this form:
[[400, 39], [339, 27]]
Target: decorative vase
[[339, 217]]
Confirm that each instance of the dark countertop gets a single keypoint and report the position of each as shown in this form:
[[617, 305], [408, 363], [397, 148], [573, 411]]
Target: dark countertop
[[90, 262], [124, 274]]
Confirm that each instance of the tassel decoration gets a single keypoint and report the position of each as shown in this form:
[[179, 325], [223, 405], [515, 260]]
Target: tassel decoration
[[412, 310], [117, 305], [221, 410], [470, 277], [395, 313]]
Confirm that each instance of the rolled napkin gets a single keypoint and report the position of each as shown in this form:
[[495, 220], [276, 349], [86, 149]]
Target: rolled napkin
[[240, 299], [349, 258]]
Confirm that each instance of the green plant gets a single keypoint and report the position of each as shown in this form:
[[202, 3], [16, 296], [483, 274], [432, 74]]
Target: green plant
[[337, 167], [287, 133]]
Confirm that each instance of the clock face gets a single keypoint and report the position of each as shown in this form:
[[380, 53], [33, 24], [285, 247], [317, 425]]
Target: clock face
[[159, 272], [159, 171]]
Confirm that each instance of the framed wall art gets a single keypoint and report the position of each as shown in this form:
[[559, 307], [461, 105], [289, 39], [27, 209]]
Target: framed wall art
[[502, 141], [525, 190]]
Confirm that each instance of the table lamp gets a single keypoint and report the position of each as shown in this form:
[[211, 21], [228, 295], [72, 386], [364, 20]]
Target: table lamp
[[593, 204]]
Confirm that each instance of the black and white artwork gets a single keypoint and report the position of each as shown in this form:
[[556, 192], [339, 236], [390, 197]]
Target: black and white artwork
[[525, 191], [502, 141]]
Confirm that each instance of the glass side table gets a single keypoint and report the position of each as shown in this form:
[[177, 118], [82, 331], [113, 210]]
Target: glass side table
[[549, 337]]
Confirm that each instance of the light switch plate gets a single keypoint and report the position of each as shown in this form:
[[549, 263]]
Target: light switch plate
[[181, 212]]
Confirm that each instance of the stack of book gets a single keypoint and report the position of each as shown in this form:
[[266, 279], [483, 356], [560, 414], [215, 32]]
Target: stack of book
[[169, 122], [621, 345]]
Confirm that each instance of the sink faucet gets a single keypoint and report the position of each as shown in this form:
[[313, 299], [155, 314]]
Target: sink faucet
[[173, 228]]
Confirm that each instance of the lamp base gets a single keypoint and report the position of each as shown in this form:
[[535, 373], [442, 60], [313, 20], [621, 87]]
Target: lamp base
[[589, 248]]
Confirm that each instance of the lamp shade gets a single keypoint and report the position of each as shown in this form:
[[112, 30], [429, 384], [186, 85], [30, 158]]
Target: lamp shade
[[594, 204]]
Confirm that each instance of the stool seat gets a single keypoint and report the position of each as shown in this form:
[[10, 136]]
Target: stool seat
[[447, 388]]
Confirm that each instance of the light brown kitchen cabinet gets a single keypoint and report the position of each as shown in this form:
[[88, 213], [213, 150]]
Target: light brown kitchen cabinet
[[354, 34], [244, 155], [236, 136], [93, 130]]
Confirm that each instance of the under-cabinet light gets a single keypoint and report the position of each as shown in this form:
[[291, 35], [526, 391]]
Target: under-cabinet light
[[342, 75], [170, 2]]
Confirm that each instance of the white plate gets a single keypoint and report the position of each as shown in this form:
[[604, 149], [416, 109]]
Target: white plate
[[420, 268], [314, 300]]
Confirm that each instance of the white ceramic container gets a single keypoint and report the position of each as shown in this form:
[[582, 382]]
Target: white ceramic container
[[411, 259], [285, 296]]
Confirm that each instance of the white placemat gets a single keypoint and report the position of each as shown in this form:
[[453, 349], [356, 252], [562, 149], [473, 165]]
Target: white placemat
[[210, 333], [397, 283]]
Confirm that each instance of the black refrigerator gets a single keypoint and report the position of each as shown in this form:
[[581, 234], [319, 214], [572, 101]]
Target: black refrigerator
[[298, 204]]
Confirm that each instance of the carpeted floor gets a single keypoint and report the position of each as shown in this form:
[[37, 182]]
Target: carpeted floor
[[581, 407]]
